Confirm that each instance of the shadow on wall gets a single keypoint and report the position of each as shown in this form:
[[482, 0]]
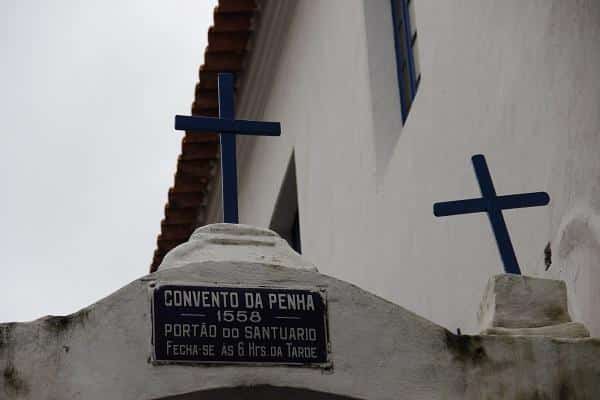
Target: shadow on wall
[[383, 82], [578, 263]]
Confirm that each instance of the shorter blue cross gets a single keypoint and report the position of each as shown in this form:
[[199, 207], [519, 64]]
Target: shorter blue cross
[[227, 127], [493, 205]]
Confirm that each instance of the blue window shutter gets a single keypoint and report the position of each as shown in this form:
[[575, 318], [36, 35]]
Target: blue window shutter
[[404, 41]]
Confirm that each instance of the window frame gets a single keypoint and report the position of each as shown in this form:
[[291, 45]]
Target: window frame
[[404, 42]]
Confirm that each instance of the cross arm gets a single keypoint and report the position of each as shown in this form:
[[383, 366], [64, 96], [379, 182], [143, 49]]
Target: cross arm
[[459, 207], [469, 206], [533, 199], [240, 127]]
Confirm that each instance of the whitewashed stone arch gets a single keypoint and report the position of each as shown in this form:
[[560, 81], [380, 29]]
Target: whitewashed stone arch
[[262, 392], [379, 350]]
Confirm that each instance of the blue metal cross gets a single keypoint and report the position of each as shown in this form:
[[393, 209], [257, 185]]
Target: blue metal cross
[[493, 205], [227, 127]]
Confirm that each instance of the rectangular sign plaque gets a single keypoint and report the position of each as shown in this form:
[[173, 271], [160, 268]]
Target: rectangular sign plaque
[[234, 324]]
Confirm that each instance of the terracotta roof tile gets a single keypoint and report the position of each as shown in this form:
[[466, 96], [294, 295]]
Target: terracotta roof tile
[[176, 231], [199, 151], [237, 6], [180, 215], [185, 199], [227, 41], [208, 80], [231, 22], [195, 168], [198, 161], [224, 61], [206, 100]]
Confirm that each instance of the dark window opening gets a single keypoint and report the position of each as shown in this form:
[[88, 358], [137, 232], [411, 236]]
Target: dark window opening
[[286, 216], [407, 62]]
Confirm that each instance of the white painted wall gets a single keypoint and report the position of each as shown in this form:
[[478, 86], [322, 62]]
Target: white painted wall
[[515, 80]]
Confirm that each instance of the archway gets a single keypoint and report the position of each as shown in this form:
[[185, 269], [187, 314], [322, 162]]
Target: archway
[[262, 392]]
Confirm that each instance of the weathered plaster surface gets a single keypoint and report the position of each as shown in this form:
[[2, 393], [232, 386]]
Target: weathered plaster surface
[[379, 351]]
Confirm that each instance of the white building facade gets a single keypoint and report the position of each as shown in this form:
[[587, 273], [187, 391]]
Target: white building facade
[[513, 80]]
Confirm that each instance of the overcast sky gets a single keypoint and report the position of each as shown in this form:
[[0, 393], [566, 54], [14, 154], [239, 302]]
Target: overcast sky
[[89, 90]]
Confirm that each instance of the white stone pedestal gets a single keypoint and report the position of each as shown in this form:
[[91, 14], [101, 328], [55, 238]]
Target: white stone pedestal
[[523, 305], [235, 243]]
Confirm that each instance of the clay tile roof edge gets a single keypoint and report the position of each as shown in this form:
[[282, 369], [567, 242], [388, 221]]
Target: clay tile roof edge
[[226, 51]]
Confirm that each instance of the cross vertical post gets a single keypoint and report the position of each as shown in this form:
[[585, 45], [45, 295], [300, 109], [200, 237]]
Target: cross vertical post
[[486, 186], [227, 127], [228, 152], [493, 205]]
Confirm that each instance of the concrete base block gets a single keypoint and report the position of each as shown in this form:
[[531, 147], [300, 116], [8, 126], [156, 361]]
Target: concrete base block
[[523, 305]]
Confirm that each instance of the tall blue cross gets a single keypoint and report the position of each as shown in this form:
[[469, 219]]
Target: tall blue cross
[[493, 205], [227, 127]]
